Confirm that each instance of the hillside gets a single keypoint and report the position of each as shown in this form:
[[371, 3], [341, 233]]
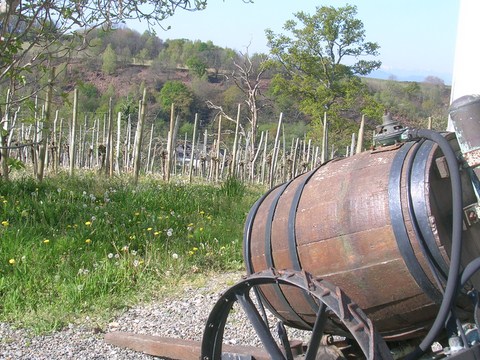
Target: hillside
[[411, 102]]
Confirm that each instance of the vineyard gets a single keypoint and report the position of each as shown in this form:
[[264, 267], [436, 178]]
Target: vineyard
[[113, 146]]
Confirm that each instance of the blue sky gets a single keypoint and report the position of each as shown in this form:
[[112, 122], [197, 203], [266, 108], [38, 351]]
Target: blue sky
[[417, 37]]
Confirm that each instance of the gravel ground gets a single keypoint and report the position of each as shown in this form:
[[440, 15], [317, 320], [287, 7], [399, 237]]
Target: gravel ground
[[180, 317]]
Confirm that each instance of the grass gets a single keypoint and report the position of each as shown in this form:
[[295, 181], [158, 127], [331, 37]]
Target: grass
[[89, 246]]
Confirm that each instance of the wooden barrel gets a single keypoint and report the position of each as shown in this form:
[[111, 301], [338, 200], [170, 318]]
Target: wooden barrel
[[374, 224]]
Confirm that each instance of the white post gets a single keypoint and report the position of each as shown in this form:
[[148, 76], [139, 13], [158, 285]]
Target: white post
[[466, 76]]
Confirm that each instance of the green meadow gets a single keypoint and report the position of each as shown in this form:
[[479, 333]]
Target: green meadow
[[88, 246]]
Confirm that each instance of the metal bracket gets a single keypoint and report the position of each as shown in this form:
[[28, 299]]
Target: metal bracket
[[472, 214]]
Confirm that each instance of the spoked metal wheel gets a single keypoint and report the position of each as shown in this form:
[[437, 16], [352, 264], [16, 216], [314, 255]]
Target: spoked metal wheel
[[332, 302]]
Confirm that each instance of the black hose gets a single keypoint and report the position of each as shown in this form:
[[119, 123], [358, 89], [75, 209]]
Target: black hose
[[472, 267], [451, 287]]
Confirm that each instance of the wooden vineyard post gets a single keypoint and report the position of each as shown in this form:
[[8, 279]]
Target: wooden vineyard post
[[117, 150], [3, 140], [55, 148], [184, 153], [72, 132], [275, 152], [324, 155], [352, 145], [44, 134], [192, 153], [149, 153], [169, 143], [217, 155], [60, 144], [110, 139], [360, 136], [294, 159], [139, 136], [257, 152], [264, 160], [235, 141]]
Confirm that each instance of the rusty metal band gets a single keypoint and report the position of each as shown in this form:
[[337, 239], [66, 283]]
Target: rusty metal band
[[399, 228], [247, 233], [269, 224], [418, 207], [292, 237], [269, 259], [247, 251]]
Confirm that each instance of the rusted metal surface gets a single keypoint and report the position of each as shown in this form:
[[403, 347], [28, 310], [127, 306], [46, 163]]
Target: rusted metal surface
[[372, 224], [174, 348], [465, 115]]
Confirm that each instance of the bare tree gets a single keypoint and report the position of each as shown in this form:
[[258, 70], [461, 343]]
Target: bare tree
[[247, 76]]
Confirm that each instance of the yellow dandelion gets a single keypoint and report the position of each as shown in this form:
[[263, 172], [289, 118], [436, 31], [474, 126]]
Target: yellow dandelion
[[156, 233], [5, 223], [195, 249], [149, 229], [5, 201], [12, 261], [191, 253], [201, 229], [137, 214], [46, 241], [202, 212], [88, 223], [209, 217], [88, 241]]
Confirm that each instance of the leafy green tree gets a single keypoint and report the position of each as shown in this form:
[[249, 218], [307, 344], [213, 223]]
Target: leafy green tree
[[196, 66], [172, 53], [88, 96], [109, 58], [143, 56], [322, 59], [152, 44], [178, 93]]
